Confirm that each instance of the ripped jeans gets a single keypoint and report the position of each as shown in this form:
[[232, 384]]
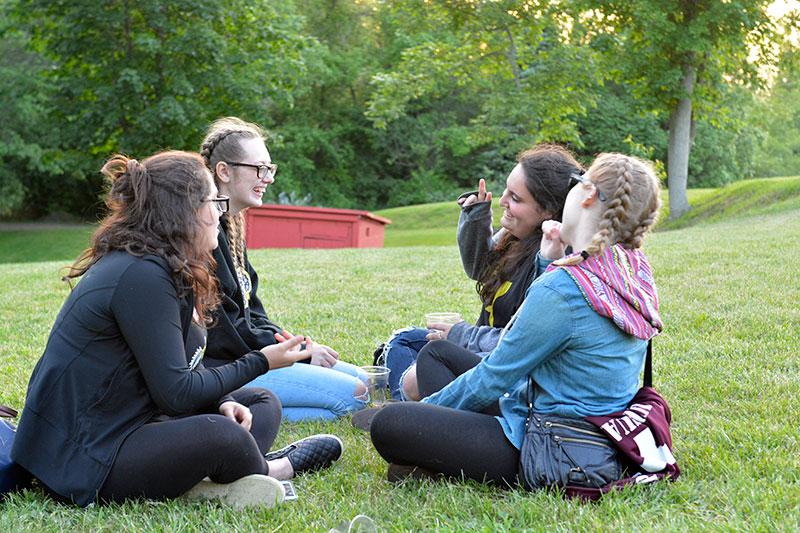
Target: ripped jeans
[[309, 392], [399, 354]]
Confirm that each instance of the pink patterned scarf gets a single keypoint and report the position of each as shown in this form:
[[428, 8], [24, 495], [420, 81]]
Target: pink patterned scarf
[[619, 284]]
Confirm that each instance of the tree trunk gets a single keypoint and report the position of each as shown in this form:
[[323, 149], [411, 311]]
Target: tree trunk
[[680, 143]]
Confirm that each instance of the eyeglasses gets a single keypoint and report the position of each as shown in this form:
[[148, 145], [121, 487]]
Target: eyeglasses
[[576, 178], [222, 203], [263, 172]]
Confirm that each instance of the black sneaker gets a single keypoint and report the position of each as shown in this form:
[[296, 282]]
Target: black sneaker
[[311, 453]]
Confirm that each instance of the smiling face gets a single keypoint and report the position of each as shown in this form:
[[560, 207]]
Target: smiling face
[[209, 214], [242, 183], [522, 214]]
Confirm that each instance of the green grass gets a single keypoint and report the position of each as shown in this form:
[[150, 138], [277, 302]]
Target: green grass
[[33, 245], [752, 197], [728, 362], [435, 224]]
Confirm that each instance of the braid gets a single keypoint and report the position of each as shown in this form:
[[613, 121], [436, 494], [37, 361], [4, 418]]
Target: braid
[[210, 143], [236, 237], [632, 208], [610, 226], [636, 238]]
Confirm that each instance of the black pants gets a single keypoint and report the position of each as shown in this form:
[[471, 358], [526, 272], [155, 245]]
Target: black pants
[[163, 460], [441, 362], [452, 442]]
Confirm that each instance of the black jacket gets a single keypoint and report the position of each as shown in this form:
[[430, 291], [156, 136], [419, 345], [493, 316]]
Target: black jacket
[[475, 241], [238, 328], [115, 359]]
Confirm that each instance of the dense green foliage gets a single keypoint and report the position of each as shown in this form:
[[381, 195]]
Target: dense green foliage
[[727, 362], [375, 104]]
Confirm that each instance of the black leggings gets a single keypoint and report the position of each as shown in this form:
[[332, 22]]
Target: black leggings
[[163, 460], [452, 442], [441, 362]]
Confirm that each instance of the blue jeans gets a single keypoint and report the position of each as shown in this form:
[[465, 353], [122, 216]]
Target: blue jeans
[[400, 353], [309, 392]]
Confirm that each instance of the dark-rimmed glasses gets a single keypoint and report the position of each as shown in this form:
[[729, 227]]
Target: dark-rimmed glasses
[[222, 203], [263, 171], [579, 177]]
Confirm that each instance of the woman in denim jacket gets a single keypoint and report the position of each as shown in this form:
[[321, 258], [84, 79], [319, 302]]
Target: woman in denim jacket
[[580, 336]]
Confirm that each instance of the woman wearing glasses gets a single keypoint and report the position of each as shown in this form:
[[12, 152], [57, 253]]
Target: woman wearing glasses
[[120, 405], [502, 265], [579, 338], [326, 387]]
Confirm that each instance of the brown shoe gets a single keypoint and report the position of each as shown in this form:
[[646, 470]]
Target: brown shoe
[[397, 473], [363, 419]]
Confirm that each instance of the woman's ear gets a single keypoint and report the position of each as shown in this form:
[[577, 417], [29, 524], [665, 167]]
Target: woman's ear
[[223, 172], [590, 197]]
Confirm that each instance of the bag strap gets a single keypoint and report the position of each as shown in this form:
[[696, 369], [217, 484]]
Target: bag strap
[[7, 412], [648, 365]]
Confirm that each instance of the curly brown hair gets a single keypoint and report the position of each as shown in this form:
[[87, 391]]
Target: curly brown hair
[[153, 210], [547, 169]]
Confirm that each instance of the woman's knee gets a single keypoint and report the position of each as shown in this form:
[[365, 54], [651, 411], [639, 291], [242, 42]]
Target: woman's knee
[[410, 385], [360, 393], [434, 351], [384, 426], [220, 433]]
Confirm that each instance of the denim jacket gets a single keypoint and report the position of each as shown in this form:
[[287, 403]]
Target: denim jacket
[[580, 362]]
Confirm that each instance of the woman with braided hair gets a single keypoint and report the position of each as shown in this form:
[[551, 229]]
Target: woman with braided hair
[[579, 339], [325, 387]]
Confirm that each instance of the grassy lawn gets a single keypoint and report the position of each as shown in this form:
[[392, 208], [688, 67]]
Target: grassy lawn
[[728, 362]]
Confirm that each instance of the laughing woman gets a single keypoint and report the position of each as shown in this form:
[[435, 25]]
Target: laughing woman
[[325, 387], [120, 405], [501, 264]]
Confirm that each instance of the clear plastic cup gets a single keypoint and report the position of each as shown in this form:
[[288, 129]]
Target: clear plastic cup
[[377, 384], [442, 318]]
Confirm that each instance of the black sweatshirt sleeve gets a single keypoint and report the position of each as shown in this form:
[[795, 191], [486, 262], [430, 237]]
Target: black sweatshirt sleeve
[[237, 329], [146, 307]]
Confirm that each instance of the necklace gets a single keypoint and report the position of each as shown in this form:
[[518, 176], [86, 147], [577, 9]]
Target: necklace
[[244, 284]]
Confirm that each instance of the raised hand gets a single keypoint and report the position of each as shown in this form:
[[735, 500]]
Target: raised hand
[[552, 246], [482, 196]]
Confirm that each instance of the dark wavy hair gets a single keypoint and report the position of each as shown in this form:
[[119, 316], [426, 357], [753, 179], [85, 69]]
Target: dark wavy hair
[[153, 210], [547, 169]]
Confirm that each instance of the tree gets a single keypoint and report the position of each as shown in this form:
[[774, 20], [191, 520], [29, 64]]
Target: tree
[[779, 117], [679, 54], [478, 81], [137, 77]]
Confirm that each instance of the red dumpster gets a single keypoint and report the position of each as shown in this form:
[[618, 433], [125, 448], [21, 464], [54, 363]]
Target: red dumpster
[[289, 226]]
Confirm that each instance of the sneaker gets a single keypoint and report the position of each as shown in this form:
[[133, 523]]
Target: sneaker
[[310, 454], [255, 490]]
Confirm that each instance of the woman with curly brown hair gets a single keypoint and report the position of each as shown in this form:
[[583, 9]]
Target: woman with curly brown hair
[[120, 406], [501, 264]]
